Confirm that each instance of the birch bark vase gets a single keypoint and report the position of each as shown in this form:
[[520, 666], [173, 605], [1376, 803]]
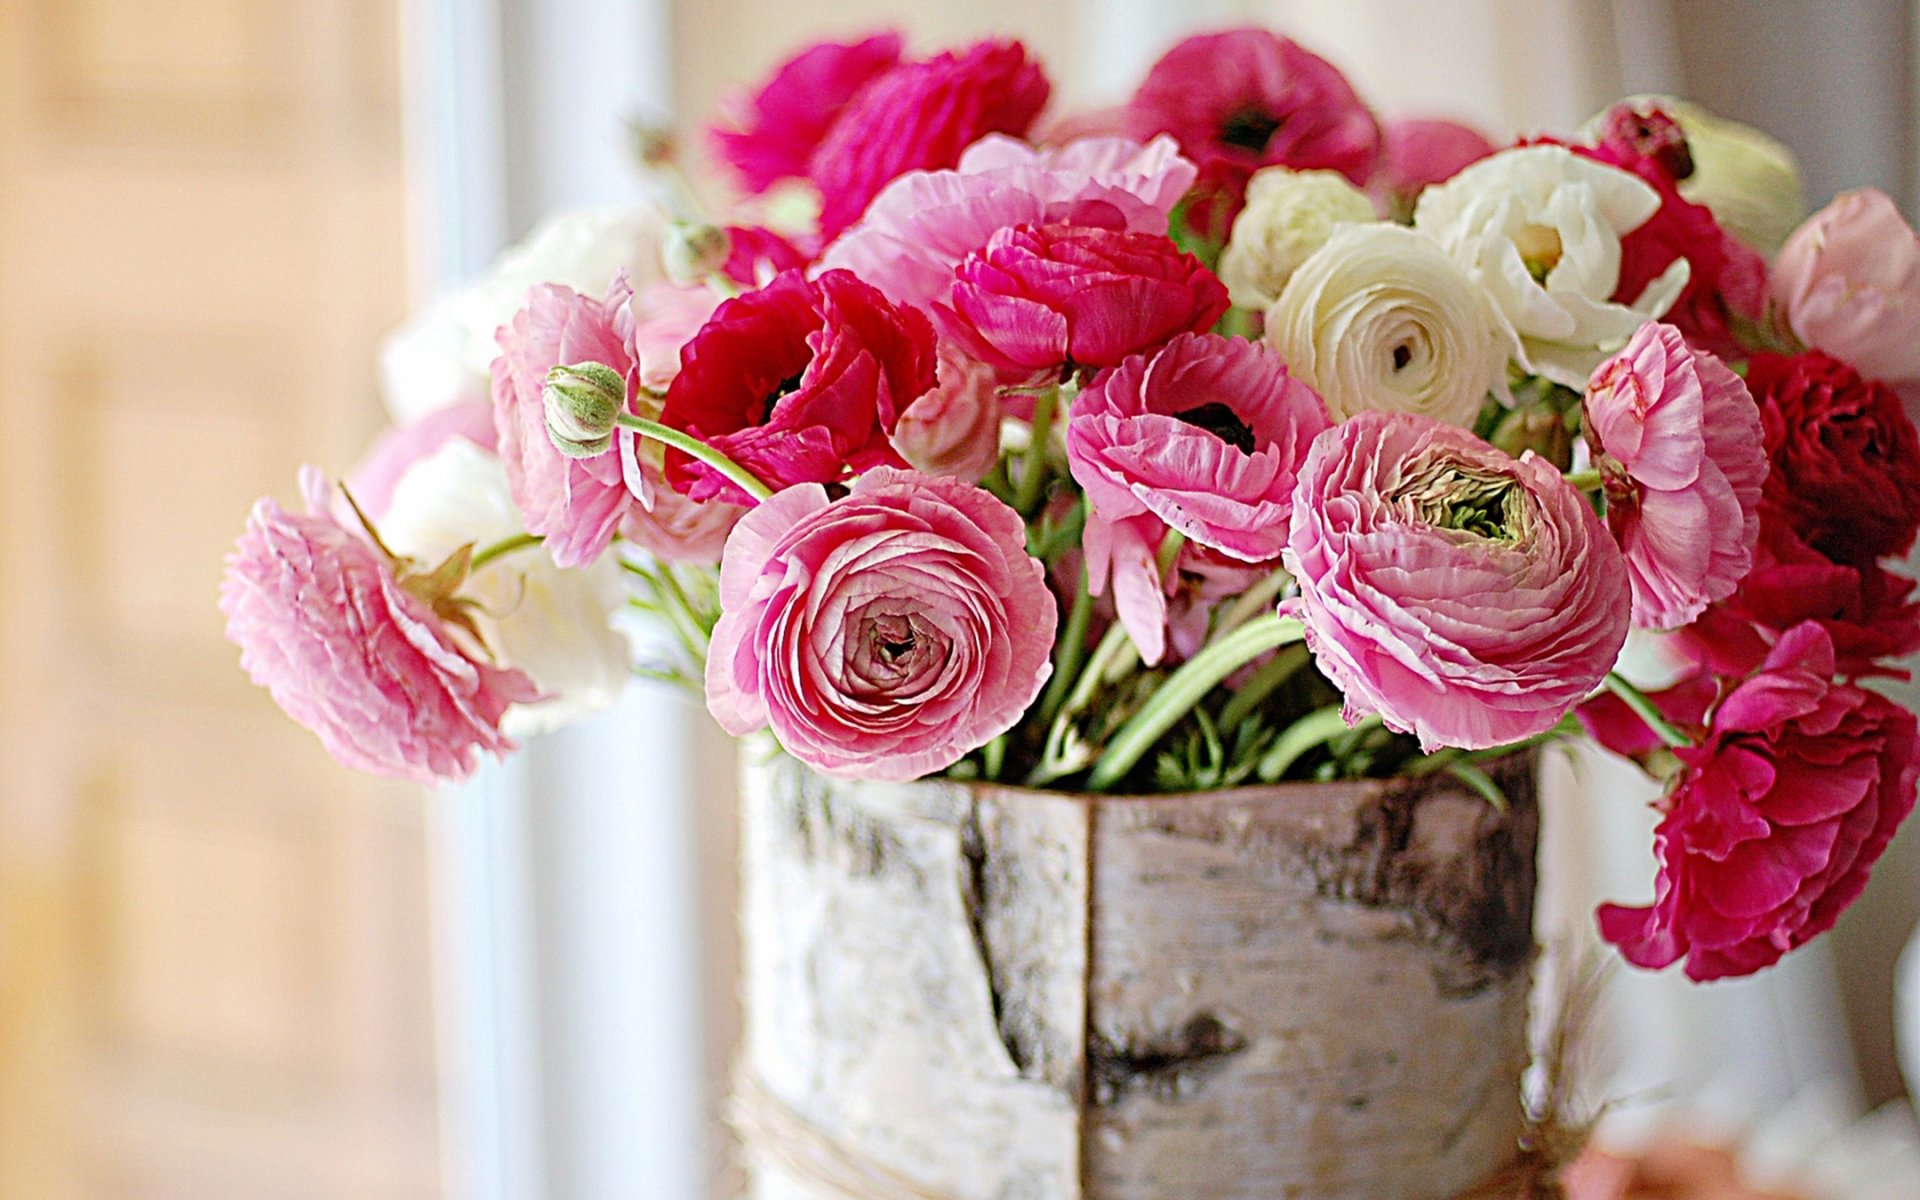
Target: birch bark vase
[[969, 992]]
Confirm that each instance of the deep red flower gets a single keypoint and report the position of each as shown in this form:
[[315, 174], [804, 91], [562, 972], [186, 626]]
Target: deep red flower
[[800, 381], [919, 117], [1038, 297], [770, 135], [1247, 98], [1845, 455], [1775, 820]]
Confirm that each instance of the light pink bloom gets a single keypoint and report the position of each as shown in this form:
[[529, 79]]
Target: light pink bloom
[[577, 504], [918, 229], [1775, 820], [325, 626], [1427, 150], [955, 428], [883, 635], [665, 318], [373, 481], [1678, 440], [1849, 280], [1468, 598], [1208, 435], [1124, 555], [679, 530]]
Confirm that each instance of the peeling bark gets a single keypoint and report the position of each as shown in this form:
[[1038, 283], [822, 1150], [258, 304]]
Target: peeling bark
[[1311, 991]]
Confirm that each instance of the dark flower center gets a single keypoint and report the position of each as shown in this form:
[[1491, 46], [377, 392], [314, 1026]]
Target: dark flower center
[[893, 637], [785, 387], [1402, 355], [1249, 128], [1220, 421]]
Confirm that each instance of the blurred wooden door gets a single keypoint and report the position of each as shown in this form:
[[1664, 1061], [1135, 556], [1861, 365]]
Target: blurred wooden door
[[214, 961]]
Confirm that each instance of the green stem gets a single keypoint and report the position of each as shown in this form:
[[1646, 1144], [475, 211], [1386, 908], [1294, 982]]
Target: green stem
[[1586, 481], [993, 758], [1645, 709], [693, 446], [1271, 675], [1169, 551], [1185, 688], [1070, 651], [1260, 596], [1034, 473], [487, 554], [1298, 738]]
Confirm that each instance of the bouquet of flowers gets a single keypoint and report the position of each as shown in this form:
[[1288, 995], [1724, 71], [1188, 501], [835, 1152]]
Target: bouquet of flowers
[[1229, 436]]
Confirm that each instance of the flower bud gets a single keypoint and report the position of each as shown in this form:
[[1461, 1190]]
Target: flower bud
[[1541, 428], [1289, 215], [692, 253], [583, 403], [653, 145]]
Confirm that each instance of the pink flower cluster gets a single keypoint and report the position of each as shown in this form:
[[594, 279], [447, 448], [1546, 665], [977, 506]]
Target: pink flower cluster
[[976, 470]]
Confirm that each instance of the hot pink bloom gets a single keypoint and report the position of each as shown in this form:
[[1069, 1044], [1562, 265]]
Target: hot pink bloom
[[1039, 297], [1422, 151], [955, 428], [373, 481], [919, 228], [1246, 98], [577, 504], [1775, 820], [1849, 280], [919, 117], [755, 254], [771, 134], [1678, 439], [883, 635], [325, 626], [801, 381], [1466, 597], [1208, 435]]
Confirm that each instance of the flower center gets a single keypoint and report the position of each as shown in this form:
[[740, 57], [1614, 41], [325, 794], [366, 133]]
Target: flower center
[[785, 387], [1540, 250], [1220, 421], [1459, 497], [1402, 355], [1249, 128], [892, 637]]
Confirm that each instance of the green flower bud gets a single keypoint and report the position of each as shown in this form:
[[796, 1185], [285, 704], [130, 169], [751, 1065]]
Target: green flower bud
[[583, 404], [690, 253]]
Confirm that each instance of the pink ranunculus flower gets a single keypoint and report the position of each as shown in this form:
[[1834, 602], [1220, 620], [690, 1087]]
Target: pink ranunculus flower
[[955, 428], [1426, 150], [577, 504], [1849, 282], [1468, 598], [883, 635], [1123, 559], [679, 530], [1775, 819], [1038, 297], [771, 134], [923, 224], [1677, 438], [1208, 435], [919, 117], [326, 626], [373, 481]]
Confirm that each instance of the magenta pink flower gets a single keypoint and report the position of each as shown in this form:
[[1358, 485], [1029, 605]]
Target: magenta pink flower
[[348, 651], [577, 504], [1422, 151], [1244, 99], [1849, 280], [771, 134], [1677, 438], [955, 428], [1208, 435], [919, 117], [883, 635], [801, 381], [919, 228], [1775, 819], [1039, 297], [1468, 598]]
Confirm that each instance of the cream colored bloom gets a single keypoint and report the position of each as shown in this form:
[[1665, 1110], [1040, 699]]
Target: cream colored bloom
[[556, 625], [1380, 318], [1539, 228], [1289, 215]]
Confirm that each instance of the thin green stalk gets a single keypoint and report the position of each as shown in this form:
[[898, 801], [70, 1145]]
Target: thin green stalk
[[1071, 649], [1034, 473], [993, 758], [1589, 480], [1645, 709], [1274, 672], [1185, 688], [687, 444], [1252, 601], [1169, 551], [487, 554], [1114, 645], [1303, 735]]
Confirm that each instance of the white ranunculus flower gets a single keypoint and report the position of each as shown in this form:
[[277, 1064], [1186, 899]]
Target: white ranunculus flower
[[441, 355], [1539, 228], [1381, 318], [1289, 215], [556, 625]]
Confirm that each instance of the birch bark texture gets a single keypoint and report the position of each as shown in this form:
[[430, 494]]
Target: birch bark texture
[[970, 992]]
